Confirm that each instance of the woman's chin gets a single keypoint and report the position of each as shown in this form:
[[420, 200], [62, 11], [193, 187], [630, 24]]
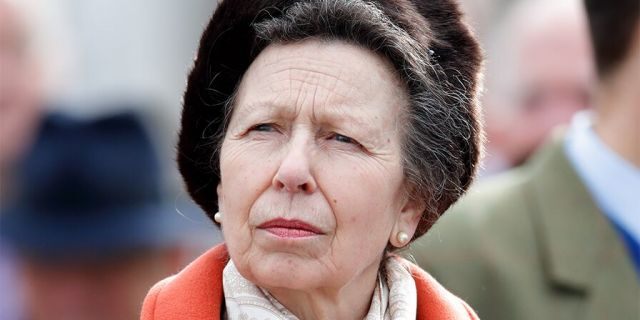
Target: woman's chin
[[284, 270]]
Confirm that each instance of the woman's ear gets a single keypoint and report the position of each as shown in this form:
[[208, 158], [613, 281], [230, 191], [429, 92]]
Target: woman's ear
[[407, 222]]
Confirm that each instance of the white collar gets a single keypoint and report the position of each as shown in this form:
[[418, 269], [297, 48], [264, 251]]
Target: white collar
[[613, 182]]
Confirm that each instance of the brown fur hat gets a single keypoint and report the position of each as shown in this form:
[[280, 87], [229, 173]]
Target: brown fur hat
[[229, 45]]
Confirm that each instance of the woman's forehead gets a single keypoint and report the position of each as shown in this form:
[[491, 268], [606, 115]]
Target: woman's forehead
[[325, 75]]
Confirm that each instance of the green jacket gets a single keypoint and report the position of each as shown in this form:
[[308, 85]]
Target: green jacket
[[532, 244]]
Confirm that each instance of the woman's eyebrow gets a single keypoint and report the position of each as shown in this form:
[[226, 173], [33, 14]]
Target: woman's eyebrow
[[335, 115], [343, 116], [248, 110]]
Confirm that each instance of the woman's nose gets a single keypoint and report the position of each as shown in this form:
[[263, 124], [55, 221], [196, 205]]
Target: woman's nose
[[294, 173]]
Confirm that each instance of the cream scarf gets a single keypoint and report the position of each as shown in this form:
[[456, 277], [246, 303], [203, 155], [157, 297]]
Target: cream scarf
[[395, 298]]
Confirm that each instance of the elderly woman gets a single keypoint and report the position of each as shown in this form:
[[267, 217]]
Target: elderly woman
[[323, 136]]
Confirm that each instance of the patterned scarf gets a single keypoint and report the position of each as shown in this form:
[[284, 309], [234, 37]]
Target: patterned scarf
[[395, 296]]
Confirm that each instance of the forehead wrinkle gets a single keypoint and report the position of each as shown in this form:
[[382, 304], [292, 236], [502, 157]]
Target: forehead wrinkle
[[276, 64], [310, 64], [310, 89], [304, 76]]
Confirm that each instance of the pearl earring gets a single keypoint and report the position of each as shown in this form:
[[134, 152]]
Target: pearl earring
[[402, 237], [218, 217]]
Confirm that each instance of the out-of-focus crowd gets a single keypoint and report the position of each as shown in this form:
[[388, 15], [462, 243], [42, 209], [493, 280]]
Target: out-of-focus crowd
[[92, 214]]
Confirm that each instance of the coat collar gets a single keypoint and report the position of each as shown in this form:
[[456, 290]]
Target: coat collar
[[196, 293], [576, 237]]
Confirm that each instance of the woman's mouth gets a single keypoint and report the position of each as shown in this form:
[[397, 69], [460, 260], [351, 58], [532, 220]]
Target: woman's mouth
[[290, 228]]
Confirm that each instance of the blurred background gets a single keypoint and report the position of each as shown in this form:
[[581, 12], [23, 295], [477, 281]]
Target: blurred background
[[90, 101]]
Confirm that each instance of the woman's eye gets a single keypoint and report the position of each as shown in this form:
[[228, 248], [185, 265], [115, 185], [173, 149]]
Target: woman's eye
[[344, 139], [263, 127]]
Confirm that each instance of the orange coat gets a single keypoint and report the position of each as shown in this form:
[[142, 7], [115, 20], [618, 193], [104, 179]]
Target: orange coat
[[196, 293]]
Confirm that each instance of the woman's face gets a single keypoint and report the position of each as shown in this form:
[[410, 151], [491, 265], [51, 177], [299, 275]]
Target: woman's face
[[312, 186]]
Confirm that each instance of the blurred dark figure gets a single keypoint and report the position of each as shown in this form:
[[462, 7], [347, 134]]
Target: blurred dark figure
[[88, 222], [560, 237]]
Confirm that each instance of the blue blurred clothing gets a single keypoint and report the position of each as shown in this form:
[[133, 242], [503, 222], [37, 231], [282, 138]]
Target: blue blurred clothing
[[613, 182], [10, 292]]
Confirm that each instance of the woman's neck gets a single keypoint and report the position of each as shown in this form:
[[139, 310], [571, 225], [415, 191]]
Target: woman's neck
[[351, 301]]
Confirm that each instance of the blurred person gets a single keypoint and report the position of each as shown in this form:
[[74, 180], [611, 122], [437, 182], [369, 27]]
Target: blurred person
[[559, 238], [20, 92], [323, 137], [20, 112], [87, 220], [539, 73]]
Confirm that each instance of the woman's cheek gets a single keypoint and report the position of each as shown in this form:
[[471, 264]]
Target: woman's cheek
[[247, 170]]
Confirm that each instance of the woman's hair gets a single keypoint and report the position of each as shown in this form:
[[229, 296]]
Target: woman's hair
[[431, 50]]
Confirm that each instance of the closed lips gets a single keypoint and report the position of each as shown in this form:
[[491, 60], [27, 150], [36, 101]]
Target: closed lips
[[290, 228]]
